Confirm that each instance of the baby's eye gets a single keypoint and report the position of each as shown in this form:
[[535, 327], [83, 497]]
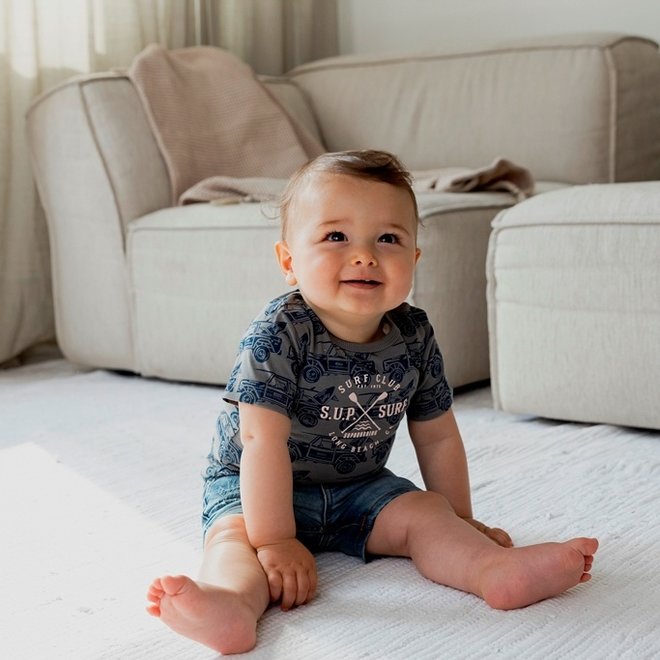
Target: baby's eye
[[388, 238], [336, 236]]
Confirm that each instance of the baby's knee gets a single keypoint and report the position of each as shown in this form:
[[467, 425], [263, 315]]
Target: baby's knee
[[426, 510], [427, 502], [227, 528]]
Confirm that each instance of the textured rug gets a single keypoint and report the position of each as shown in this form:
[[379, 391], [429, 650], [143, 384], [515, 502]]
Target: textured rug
[[99, 492]]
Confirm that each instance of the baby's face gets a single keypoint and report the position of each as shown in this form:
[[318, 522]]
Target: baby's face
[[351, 249]]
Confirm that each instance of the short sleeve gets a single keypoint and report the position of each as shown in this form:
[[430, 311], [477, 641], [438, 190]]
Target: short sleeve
[[265, 372], [433, 396]]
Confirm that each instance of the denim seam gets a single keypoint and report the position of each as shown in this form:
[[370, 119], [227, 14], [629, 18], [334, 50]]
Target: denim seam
[[324, 524]]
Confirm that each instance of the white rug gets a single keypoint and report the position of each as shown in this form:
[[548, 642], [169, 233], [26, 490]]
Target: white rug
[[99, 492]]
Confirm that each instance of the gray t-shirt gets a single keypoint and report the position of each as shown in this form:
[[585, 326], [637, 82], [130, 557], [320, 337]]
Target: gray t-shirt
[[345, 400]]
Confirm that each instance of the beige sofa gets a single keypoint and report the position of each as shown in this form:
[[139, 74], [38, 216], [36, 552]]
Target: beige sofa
[[167, 291]]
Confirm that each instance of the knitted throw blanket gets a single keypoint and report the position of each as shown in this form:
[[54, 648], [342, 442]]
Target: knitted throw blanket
[[501, 175], [212, 117]]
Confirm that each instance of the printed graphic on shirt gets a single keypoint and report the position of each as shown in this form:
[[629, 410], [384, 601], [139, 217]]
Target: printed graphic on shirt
[[363, 413]]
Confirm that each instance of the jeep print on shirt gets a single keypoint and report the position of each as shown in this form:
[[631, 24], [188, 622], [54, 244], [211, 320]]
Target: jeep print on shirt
[[345, 401]]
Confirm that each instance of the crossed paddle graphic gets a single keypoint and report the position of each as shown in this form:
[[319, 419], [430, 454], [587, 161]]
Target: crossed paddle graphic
[[365, 413]]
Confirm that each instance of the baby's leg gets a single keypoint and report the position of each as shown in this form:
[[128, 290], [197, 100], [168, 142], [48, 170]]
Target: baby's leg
[[447, 550], [222, 608]]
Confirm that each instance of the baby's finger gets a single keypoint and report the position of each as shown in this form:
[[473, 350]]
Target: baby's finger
[[313, 584], [303, 588], [500, 537], [289, 590], [275, 585]]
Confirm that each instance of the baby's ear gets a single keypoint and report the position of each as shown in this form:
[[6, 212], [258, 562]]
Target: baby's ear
[[285, 260]]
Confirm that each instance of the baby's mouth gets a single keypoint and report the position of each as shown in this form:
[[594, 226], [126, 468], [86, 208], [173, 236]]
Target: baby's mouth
[[363, 284]]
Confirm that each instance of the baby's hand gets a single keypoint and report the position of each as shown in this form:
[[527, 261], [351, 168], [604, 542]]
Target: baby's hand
[[494, 533], [291, 571]]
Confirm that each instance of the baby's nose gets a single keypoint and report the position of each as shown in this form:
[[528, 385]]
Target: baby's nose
[[364, 258]]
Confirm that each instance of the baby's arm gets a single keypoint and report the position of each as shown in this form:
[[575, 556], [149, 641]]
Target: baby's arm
[[443, 464], [267, 497]]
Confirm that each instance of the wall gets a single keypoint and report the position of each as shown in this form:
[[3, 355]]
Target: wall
[[375, 26]]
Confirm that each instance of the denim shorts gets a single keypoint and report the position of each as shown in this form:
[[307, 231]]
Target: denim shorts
[[329, 518]]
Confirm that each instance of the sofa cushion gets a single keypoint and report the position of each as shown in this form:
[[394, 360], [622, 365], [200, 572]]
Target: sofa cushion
[[214, 267]]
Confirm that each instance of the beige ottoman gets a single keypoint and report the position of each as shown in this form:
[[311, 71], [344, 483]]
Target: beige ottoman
[[574, 305]]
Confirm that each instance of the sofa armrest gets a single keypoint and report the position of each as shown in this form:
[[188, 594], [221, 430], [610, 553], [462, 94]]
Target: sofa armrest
[[92, 132], [97, 167]]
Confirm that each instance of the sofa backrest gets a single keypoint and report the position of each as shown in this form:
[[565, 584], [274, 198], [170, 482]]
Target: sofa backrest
[[292, 99], [577, 109]]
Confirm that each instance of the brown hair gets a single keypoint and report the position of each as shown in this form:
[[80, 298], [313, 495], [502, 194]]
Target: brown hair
[[365, 164]]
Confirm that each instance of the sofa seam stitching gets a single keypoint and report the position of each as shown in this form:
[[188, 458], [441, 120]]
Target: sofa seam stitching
[[106, 169], [127, 279], [308, 68], [637, 222], [491, 317], [55, 274], [613, 82]]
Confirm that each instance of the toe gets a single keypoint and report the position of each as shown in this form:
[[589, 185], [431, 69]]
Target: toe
[[156, 586], [585, 546], [156, 591], [175, 584], [591, 545], [153, 609]]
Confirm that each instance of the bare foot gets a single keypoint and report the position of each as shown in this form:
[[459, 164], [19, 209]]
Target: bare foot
[[522, 576], [210, 615]]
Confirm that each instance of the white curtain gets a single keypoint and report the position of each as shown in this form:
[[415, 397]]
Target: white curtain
[[272, 36], [43, 42]]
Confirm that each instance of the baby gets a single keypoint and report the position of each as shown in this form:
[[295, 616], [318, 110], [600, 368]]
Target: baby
[[323, 378]]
